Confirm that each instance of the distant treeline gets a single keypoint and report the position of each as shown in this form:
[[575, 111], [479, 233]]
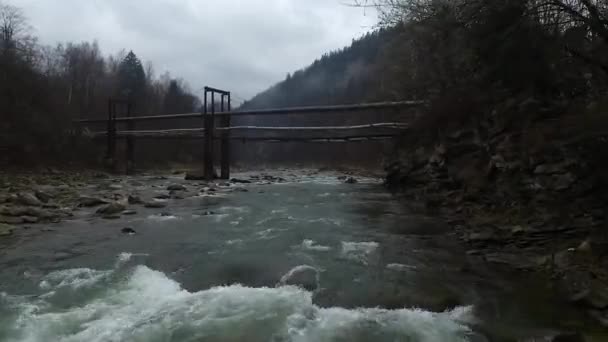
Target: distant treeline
[[43, 88]]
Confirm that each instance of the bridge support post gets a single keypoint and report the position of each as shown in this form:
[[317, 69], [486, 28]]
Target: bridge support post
[[225, 162], [209, 121], [110, 158], [130, 142]]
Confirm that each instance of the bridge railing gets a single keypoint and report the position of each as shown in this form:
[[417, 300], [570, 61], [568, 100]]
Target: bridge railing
[[209, 116]]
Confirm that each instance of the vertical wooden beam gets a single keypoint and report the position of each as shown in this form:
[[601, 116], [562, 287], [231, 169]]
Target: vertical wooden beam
[[226, 139], [209, 123], [130, 142], [111, 148]]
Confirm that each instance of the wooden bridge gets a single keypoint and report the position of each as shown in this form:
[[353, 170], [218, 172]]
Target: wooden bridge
[[217, 109]]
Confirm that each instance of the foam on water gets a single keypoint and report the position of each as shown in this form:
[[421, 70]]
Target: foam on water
[[145, 305], [312, 246], [162, 218]]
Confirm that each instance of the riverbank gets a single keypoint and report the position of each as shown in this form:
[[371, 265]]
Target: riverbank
[[532, 206]]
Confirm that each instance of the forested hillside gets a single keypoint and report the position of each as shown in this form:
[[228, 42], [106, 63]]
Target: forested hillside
[[343, 76]]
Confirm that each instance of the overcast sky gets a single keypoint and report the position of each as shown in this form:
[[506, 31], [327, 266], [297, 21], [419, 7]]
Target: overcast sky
[[240, 45]]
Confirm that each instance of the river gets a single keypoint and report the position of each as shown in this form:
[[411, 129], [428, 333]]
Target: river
[[215, 268]]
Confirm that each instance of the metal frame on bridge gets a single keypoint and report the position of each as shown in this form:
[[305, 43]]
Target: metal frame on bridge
[[225, 113]]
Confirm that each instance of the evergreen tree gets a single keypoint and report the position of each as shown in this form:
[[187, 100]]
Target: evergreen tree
[[132, 78]]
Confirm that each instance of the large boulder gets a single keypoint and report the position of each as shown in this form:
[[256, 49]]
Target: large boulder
[[113, 208], [28, 199], [303, 276], [43, 196]]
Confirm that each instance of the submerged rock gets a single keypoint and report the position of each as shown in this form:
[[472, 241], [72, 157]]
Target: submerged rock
[[303, 276]]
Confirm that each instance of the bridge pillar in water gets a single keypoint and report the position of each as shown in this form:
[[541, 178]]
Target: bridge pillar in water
[[225, 161], [209, 122]]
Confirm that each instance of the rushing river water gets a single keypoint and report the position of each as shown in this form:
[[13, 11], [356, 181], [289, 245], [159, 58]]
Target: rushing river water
[[211, 269]]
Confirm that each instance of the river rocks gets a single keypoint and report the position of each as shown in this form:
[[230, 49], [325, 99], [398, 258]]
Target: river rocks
[[485, 236], [595, 298], [156, 204], [240, 181], [43, 196], [303, 276], [115, 187], [162, 196], [86, 201], [550, 169], [28, 199], [129, 212], [10, 219], [351, 180], [29, 219], [111, 209], [128, 231], [584, 247], [133, 199], [6, 230], [176, 187], [563, 182], [568, 337]]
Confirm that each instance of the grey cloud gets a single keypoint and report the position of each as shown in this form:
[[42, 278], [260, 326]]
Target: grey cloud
[[244, 46]]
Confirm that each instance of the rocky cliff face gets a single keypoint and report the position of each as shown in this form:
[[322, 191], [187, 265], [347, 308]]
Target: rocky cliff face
[[524, 195]]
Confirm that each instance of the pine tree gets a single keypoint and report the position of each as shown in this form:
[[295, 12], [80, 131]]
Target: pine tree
[[132, 77]]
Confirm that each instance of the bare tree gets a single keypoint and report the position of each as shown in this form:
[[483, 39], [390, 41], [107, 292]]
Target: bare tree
[[13, 26]]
